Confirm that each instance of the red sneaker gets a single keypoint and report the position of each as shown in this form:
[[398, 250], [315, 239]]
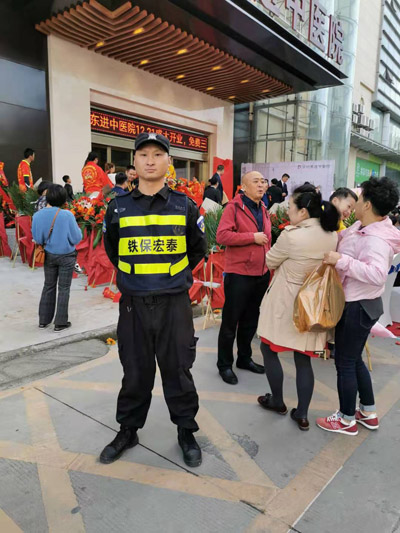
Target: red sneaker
[[335, 424], [370, 421]]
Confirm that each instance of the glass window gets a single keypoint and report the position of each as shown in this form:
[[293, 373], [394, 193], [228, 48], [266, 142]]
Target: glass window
[[101, 151], [194, 171], [121, 158], [180, 168]]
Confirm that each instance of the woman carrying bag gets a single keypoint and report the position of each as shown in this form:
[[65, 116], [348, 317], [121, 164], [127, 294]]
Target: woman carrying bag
[[57, 231], [363, 260], [299, 249]]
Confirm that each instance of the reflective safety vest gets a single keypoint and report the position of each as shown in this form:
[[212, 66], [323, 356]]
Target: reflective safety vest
[[152, 245]]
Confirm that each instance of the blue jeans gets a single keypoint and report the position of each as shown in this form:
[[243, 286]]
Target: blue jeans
[[352, 375]]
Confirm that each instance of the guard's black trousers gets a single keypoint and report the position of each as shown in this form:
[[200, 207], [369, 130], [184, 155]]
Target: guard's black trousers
[[161, 327]]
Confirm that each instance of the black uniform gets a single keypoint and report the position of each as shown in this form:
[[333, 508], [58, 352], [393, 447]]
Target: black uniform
[[155, 241]]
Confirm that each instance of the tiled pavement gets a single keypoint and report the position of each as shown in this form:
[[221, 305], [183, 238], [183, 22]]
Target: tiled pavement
[[259, 472]]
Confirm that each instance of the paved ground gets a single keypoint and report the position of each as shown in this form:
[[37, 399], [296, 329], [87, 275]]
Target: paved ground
[[259, 474], [21, 288]]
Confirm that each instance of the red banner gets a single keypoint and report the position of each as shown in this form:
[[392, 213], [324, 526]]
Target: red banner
[[123, 126]]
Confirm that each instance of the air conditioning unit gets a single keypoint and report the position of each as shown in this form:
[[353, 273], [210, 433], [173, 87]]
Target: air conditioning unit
[[355, 118], [363, 121], [361, 109], [371, 124], [355, 108]]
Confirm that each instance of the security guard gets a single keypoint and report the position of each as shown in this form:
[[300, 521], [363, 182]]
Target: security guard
[[155, 236]]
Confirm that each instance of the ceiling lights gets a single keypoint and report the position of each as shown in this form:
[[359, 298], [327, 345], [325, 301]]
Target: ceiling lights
[[144, 62], [181, 51], [138, 31]]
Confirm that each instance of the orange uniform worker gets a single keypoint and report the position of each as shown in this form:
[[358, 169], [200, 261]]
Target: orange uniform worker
[[94, 178], [24, 172]]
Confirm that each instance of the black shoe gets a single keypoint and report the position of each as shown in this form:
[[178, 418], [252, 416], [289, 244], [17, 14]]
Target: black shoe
[[229, 376], [42, 326], [252, 366], [126, 438], [190, 448], [303, 423], [65, 326], [267, 402]]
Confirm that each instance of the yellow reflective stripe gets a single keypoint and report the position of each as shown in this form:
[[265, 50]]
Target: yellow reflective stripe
[[153, 220], [124, 267], [178, 267], [152, 268], [163, 245]]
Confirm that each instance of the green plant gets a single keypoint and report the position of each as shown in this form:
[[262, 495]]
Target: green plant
[[279, 220], [211, 223], [350, 220], [24, 201]]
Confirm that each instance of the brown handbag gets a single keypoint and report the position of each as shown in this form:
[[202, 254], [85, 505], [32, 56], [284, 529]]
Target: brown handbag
[[39, 255]]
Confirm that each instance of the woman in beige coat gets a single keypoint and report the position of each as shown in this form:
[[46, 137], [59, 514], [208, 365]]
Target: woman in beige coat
[[298, 251]]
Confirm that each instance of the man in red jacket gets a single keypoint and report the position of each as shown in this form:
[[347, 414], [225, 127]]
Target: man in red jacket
[[245, 230]]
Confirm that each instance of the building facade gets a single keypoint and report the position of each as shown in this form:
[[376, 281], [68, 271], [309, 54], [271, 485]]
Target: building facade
[[116, 68], [356, 125], [375, 138]]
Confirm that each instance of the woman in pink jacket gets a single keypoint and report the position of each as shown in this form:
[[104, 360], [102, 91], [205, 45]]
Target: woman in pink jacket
[[365, 253]]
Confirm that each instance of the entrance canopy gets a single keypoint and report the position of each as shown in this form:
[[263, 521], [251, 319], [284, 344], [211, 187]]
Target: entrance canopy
[[187, 42]]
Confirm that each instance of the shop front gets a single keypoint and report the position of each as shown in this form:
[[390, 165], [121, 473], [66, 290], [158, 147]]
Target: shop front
[[112, 136], [173, 66]]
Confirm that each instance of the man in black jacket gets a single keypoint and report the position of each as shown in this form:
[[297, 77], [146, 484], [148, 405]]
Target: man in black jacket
[[155, 237], [282, 184], [274, 193]]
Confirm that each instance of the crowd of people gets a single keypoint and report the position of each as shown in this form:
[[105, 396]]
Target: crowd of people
[[154, 236]]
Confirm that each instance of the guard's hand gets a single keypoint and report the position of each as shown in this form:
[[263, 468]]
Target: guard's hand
[[331, 258], [260, 238]]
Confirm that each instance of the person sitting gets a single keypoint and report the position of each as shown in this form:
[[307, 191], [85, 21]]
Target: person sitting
[[300, 248], [60, 254], [274, 193], [363, 260], [344, 200], [42, 200], [212, 192], [121, 184], [68, 188]]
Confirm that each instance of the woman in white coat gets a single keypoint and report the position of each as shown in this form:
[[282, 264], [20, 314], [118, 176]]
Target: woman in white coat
[[298, 251]]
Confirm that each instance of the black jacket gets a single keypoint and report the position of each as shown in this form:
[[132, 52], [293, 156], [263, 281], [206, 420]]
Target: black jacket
[[275, 195], [283, 186], [213, 194], [196, 241]]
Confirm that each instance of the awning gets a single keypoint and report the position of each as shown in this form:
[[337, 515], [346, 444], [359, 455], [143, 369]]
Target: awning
[[180, 41], [375, 148]]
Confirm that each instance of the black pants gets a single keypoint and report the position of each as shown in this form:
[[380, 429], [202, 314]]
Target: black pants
[[304, 379], [150, 328], [351, 334], [243, 296], [56, 268]]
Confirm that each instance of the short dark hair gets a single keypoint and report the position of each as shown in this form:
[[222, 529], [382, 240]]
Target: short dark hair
[[306, 196], [383, 194], [285, 176], [91, 157], [120, 178], [343, 192], [56, 195], [65, 178], [108, 166], [28, 152], [220, 167], [43, 186], [130, 167], [213, 180], [274, 181]]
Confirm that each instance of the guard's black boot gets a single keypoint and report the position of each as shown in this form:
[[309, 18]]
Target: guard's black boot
[[126, 438], [190, 448]]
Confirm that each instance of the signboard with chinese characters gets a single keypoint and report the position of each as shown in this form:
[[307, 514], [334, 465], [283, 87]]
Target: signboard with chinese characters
[[319, 173], [325, 31], [124, 126], [365, 170]]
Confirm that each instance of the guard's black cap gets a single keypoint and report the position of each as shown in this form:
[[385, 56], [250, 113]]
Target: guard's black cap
[[143, 138]]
